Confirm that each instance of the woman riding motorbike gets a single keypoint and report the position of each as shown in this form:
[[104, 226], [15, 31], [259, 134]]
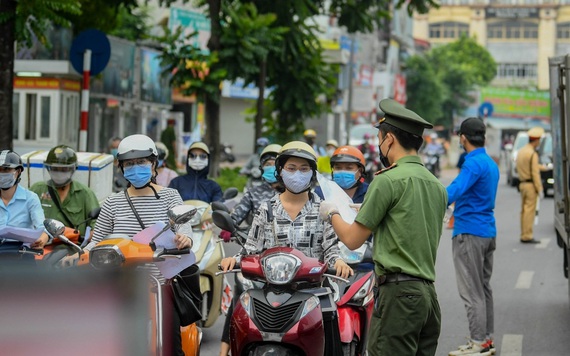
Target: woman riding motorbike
[[349, 172], [291, 218], [142, 204], [249, 204], [195, 185]]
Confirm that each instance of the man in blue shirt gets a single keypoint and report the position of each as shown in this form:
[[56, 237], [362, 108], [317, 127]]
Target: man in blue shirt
[[19, 207], [474, 191]]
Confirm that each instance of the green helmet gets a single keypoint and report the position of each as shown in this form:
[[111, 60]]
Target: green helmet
[[61, 156]]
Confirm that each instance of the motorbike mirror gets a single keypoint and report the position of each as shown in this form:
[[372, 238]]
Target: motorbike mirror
[[54, 227], [219, 206], [230, 193], [181, 214], [223, 220]]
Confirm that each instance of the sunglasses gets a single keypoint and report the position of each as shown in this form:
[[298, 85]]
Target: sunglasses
[[202, 156]]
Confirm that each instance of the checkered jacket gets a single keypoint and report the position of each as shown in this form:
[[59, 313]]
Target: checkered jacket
[[251, 201], [307, 232]]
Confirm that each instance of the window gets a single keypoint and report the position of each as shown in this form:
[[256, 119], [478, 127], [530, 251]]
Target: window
[[30, 117], [516, 70], [563, 30], [512, 30], [448, 29], [45, 116], [15, 115]]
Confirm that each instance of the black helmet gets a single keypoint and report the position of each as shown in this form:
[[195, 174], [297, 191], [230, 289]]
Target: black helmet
[[61, 156], [11, 159]]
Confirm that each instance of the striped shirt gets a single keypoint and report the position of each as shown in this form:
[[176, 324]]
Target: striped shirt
[[307, 232], [117, 217]]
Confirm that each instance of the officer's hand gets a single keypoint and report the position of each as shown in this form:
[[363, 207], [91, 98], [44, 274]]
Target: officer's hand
[[228, 263], [342, 269], [326, 209]]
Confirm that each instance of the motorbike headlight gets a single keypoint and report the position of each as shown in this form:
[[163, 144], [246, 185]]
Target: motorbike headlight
[[349, 256], [197, 216], [309, 306], [246, 283], [245, 300], [106, 257], [363, 291], [280, 268]]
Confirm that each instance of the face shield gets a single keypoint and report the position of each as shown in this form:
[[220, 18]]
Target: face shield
[[58, 175]]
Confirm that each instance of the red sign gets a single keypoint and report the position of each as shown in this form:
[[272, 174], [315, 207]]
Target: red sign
[[400, 89]]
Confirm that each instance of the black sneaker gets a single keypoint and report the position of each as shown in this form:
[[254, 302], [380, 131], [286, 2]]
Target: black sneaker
[[531, 241]]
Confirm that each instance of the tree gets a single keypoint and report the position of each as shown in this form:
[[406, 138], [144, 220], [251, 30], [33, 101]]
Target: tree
[[424, 89], [19, 21], [461, 66]]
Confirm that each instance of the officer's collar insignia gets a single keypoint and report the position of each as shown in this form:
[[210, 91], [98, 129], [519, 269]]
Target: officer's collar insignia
[[393, 165]]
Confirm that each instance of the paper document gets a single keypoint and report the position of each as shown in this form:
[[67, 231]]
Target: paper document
[[332, 192], [21, 234], [171, 266]]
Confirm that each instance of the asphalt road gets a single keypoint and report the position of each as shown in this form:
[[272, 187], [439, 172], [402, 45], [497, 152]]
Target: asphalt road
[[532, 312]]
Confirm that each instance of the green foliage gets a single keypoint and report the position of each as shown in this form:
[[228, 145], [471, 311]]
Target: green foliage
[[425, 91], [438, 85], [190, 68], [34, 17], [230, 177], [247, 39], [132, 24]]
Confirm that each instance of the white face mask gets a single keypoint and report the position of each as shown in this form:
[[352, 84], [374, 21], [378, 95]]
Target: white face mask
[[7, 180], [298, 181], [197, 164]]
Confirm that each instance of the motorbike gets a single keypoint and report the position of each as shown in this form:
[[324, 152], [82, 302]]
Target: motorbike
[[431, 162], [355, 299], [58, 249], [121, 252], [226, 153], [209, 252], [293, 313]]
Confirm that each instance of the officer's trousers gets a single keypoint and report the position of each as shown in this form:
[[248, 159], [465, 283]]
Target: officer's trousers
[[528, 209]]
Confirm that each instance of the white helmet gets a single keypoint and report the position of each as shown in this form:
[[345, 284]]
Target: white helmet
[[136, 146]]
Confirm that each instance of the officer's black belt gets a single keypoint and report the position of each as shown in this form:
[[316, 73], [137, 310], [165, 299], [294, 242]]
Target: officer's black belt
[[398, 277], [526, 181]]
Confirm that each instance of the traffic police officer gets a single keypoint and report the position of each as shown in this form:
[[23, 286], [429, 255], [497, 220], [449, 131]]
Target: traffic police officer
[[530, 184], [404, 208]]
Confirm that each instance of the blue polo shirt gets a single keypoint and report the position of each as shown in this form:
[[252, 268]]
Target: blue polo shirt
[[24, 210], [474, 192]]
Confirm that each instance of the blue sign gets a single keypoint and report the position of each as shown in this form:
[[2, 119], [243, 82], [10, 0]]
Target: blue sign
[[486, 109], [99, 45]]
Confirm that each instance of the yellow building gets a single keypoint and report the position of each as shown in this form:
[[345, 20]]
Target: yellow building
[[520, 34]]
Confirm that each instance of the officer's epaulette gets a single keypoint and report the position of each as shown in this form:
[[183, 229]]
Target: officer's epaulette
[[393, 165]]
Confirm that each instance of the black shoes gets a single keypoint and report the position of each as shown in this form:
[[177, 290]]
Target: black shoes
[[531, 241]]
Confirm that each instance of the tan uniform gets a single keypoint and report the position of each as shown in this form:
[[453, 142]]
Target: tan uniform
[[530, 186]]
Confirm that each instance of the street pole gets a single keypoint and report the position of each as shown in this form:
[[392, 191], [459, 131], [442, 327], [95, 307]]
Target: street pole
[[350, 80]]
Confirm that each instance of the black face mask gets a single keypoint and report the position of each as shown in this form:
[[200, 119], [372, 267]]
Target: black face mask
[[384, 158]]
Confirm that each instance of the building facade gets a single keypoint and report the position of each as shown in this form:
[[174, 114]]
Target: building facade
[[520, 34]]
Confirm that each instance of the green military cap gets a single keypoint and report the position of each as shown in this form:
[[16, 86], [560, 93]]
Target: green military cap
[[397, 115]]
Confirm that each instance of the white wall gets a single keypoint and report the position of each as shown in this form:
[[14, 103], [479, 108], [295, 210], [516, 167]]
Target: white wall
[[233, 127]]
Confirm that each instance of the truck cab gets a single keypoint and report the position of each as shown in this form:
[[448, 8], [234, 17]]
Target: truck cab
[[559, 68]]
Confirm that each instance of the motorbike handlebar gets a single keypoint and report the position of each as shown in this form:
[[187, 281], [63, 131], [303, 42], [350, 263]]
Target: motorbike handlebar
[[39, 251], [175, 251]]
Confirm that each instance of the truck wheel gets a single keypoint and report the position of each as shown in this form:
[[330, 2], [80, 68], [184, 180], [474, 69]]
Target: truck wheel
[[566, 253]]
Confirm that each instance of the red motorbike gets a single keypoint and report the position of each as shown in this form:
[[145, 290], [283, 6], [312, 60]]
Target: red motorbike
[[295, 313], [355, 301]]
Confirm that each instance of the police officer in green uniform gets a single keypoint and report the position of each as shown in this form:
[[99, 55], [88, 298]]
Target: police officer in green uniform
[[404, 208], [61, 197]]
